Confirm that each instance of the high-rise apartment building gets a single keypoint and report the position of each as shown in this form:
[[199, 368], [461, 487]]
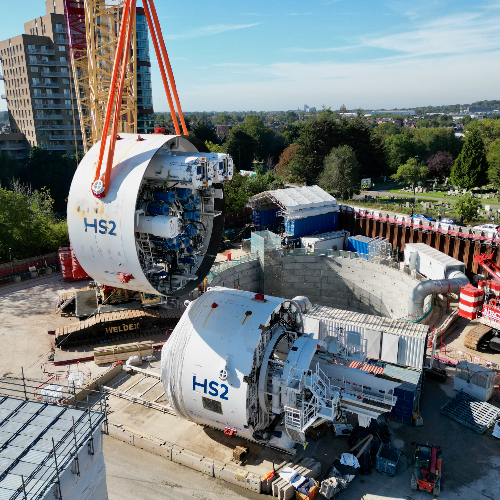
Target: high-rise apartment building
[[145, 116], [39, 88], [38, 85]]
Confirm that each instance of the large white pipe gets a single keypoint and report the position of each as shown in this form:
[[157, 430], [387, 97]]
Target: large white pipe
[[454, 281]]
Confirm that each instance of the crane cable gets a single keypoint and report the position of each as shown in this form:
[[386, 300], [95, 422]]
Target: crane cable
[[99, 185], [166, 60]]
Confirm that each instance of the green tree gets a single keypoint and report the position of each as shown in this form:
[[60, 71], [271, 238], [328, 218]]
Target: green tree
[[324, 132], [242, 148], [399, 149], [50, 170], [9, 169], [467, 207], [223, 119], [268, 143], [411, 173], [493, 158], [27, 224], [341, 173], [205, 132], [470, 168], [215, 148]]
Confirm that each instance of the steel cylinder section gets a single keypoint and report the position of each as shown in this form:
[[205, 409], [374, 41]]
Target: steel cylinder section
[[165, 227], [211, 362], [161, 219], [242, 362]]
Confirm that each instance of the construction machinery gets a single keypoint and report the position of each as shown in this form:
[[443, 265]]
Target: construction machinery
[[427, 469], [482, 302], [248, 365], [145, 213]]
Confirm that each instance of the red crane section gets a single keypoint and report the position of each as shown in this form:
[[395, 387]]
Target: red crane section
[[100, 184]]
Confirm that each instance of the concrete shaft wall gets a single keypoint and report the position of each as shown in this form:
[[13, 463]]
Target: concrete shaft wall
[[246, 276], [340, 282], [344, 283]]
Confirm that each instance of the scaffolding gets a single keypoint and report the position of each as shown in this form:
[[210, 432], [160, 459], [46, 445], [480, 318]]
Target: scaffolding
[[379, 250]]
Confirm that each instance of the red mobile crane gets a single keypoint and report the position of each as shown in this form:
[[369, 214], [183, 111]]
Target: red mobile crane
[[483, 302]]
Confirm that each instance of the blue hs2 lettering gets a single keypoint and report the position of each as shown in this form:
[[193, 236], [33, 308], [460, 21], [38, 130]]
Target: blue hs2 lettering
[[212, 387], [102, 225]]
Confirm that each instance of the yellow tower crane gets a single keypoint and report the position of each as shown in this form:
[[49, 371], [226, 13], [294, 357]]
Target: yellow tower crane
[[93, 28]]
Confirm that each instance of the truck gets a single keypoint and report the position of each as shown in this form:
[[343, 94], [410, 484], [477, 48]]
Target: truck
[[366, 184]]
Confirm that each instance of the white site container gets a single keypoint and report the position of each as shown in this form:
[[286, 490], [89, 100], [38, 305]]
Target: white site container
[[391, 340], [475, 380], [430, 262], [334, 240]]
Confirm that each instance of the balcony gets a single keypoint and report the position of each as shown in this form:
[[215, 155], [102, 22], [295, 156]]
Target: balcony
[[59, 30], [54, 95], [3, 96], [54, 74], [13, 147], [64, 137], [45, 85], [52, 106], [54, 127], [49, 117], [42, 52], [55, 147], [48, 63], [61, 40]]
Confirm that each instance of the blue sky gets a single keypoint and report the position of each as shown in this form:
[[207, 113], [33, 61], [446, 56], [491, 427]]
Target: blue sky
[[280, 55]]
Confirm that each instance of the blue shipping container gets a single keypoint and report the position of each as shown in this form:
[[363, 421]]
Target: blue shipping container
[[309, 225], [264, 218], [359, 244]]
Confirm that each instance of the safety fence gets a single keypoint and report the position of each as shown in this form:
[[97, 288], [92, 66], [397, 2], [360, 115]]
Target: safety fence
[[407, 221], [219, 267], [29, 269], [452, 356]]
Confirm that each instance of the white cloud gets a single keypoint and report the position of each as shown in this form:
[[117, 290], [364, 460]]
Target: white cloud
[[325, 49], [213, 29], [387, 84]]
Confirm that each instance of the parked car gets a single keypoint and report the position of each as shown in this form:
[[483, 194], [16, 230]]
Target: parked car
[[451, 222], [487, 228], [424, 217]]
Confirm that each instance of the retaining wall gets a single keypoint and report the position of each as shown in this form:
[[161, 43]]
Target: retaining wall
[[345, 283], [246, 275]]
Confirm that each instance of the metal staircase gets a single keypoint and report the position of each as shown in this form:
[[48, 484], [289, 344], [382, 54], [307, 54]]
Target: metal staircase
[[323, 404]]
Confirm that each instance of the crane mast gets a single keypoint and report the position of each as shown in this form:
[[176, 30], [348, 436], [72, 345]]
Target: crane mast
[[93, 28]]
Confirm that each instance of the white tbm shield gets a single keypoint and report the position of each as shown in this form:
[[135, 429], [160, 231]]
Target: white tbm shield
[[159, 226]]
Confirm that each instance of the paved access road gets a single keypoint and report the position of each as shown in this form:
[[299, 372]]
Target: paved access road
[[132, 473]]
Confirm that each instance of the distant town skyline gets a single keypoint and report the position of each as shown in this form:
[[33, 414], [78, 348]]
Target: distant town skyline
[[382, 54]]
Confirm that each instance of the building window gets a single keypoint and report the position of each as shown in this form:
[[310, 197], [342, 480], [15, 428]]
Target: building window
[[61, 48], [65, 81], [63, 59]]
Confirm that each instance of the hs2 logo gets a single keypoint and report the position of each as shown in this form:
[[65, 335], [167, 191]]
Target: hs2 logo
[[212, 387], [103, 226]]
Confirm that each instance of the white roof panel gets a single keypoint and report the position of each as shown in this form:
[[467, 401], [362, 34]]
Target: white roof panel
[[305, 201], [436, 255]]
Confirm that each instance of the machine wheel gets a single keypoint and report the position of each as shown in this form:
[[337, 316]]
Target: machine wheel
[[437, 488], [414, 483]]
